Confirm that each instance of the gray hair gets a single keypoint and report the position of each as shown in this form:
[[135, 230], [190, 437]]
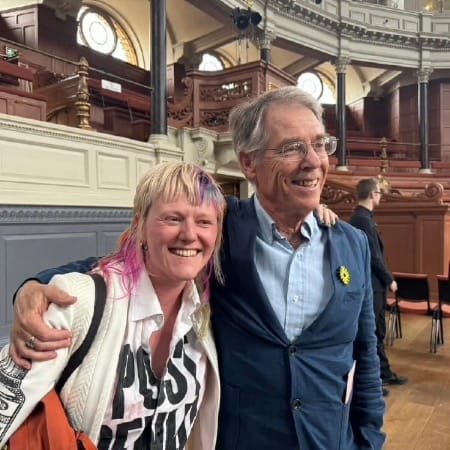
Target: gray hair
[[247, 120]]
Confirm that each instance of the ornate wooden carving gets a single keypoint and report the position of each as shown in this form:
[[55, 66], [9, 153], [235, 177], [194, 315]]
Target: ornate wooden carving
[[223, 92], [344, 195], [181, 113]]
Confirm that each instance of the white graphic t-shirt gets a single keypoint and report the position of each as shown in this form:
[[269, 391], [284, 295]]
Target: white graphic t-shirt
[[145, 412]]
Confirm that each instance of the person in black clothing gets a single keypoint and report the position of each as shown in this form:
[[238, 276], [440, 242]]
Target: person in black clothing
[[369, 196]]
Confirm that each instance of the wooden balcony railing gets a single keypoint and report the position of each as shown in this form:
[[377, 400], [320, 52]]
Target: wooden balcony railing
[[81, 100], [16, 96]]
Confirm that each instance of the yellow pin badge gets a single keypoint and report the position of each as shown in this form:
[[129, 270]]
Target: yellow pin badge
[[344, 275]]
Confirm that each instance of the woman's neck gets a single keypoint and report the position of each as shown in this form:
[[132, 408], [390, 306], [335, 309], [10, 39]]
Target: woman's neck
[[168, 294], [170, 298]]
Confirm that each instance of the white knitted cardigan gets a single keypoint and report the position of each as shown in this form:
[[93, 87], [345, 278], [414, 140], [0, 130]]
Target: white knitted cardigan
[[89, 389]]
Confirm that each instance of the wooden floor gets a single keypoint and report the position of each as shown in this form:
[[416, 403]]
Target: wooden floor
[[418, 413]]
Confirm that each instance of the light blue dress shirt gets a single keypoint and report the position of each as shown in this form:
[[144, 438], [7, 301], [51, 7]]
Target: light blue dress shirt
[[298, 282]]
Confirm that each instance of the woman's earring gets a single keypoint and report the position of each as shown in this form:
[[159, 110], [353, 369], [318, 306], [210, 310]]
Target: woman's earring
[[144, 246]]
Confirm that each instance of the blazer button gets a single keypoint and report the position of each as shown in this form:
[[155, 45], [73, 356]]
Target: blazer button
[[292, 350], [296, 404]]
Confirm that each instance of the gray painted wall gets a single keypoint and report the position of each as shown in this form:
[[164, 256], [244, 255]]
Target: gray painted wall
[[36, 238]]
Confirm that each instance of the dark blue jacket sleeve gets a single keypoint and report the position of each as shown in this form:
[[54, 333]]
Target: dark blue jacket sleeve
[[82, 266]]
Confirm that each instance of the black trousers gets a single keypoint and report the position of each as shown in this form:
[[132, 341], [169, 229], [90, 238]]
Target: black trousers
[[379, 307]]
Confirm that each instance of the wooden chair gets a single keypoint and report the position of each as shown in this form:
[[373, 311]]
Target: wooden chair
[[443, 309], [413, 295]]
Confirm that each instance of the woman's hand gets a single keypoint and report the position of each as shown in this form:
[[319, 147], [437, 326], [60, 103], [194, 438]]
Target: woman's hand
[[327, 216]]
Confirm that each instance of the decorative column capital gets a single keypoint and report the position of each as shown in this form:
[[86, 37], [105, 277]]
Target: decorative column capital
[[423, 74], [265, 38], [341, 64]]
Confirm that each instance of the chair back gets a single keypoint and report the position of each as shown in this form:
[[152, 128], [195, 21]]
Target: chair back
[[413, 287], [443, 290]]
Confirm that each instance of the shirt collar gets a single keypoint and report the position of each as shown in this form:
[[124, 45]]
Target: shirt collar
[[144, 302], [267, 228]]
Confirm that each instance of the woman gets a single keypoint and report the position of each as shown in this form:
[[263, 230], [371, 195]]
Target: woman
[[150, 378]]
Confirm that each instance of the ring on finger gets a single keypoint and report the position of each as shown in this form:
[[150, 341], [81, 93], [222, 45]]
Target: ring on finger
[[30, 343]]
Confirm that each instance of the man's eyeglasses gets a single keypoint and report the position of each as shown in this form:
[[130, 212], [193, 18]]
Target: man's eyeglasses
[[322, 146]]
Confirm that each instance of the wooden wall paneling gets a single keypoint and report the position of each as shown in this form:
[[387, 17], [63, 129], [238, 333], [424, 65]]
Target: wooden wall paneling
[[35, 238], [398, 234], [431, 248], [356, 109], [445, 120], [22, 104], [3, 105], [415, 230], [375, 117], [416, 238], [20, 25], [446, 247], [50, 26], [409, 120], [434, 120], [394, 114], [28, 107]]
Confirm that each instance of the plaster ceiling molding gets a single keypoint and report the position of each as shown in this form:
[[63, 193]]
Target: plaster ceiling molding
[[434, 43], [385, 39], [64, 8]]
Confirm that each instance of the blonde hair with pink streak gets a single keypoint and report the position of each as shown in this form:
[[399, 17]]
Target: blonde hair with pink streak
[[168, 181]]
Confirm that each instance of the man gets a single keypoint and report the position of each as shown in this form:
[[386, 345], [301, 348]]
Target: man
[[293, 320], [369, 195]]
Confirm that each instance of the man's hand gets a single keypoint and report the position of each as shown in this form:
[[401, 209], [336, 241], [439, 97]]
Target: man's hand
[[327, 216], [32, 301]]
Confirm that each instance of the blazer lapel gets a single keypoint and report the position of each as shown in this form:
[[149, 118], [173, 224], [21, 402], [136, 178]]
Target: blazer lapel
[[244, 227]]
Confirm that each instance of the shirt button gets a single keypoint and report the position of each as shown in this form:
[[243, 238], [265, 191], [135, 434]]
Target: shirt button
[[296, 298], [296, 404], [292, 350]]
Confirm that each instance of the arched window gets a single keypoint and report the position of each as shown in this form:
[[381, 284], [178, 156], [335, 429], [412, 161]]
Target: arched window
[[210, 63], [317, 86], [99, 31]]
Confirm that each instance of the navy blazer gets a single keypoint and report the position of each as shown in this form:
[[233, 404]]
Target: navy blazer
[[362, 218], [291, 395]]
